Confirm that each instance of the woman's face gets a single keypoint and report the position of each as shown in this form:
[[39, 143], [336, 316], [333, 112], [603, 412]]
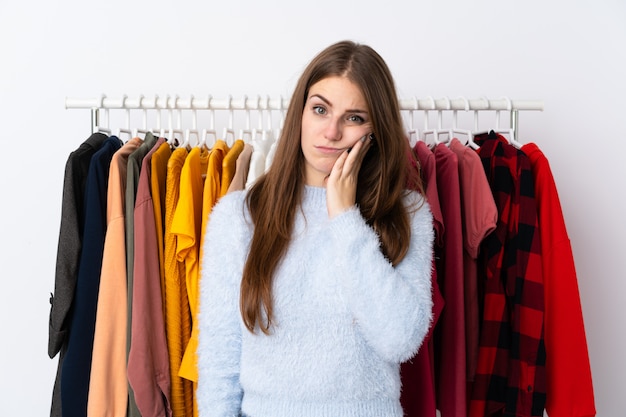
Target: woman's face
[[335, 117]]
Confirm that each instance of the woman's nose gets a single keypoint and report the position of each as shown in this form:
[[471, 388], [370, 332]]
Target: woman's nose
[[333, 130]]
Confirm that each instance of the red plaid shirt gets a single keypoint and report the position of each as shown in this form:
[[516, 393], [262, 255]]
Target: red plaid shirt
[[510, 379]]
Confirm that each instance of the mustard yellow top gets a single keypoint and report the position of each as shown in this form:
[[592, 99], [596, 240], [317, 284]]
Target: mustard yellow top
[[177, 312], [186, 225], [229, 165]]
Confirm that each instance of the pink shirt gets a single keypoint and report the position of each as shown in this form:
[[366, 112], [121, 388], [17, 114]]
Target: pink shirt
[[479, 216], [148, 361]]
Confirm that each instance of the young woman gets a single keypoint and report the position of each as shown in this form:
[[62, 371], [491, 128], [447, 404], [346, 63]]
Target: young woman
[[316, 282]]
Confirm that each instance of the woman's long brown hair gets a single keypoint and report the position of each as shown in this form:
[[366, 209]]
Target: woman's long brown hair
[[275, 197]]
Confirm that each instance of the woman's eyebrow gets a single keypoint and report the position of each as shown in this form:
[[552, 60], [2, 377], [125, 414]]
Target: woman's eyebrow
[[325, 100]]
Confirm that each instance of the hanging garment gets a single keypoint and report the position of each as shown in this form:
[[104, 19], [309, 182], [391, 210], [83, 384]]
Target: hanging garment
[[158, 181], [212, 182], [510, 375], [186, 225], [77, 362], [132, 180], [260, 149], [479, 216], [177, 313], [270, 156], [229, 165], [68, 254], [241, 170], [108, 384], [148, 360], [418, 396], [569, 383], [70, 238], [450, 331]]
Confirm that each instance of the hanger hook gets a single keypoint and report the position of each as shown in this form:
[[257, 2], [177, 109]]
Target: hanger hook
[[229, 128], [433, 106], [455, 111], [97, 126]]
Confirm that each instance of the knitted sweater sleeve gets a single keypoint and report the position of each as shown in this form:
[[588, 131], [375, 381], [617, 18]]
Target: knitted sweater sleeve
[[219, 392], [392, 306]]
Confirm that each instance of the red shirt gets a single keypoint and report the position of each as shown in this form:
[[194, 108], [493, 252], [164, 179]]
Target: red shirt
[[510, 376], [450, 331], [569, 384]]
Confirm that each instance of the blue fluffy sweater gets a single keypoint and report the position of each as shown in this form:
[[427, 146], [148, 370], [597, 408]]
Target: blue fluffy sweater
[[344, 318]]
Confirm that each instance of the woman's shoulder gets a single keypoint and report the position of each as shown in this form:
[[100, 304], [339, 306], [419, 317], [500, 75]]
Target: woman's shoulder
[[231, 199], [231, 208]]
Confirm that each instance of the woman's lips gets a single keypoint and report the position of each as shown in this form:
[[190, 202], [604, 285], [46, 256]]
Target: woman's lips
[[329, 150]]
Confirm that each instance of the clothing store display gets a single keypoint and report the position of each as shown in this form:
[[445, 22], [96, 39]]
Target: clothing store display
[[497, 301]]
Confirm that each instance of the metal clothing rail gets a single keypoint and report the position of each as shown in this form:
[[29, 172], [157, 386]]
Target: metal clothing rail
[[267, 103], [258, 103]]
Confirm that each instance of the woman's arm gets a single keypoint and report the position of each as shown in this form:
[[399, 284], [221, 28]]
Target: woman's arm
[[391, 306], [219, 392]]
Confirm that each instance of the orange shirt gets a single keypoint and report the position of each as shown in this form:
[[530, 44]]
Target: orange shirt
[[108, 384]]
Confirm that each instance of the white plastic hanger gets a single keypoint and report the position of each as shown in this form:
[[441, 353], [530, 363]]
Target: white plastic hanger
[[427, 130], [125, 130], [476, 131], [440, 130], [246, 133], [412, 133], [158, 130], [194, 127], [178, 130], [98, 127], [144, 129], [211, 130], [510, 131], [229, 130], [455, 131]]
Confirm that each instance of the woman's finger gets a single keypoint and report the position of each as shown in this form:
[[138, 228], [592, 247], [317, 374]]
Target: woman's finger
[[356, 155]]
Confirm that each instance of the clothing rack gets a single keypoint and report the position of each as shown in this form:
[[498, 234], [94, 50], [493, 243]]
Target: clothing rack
[[267, 104]]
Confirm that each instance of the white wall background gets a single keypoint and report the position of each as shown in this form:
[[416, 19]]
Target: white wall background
[[568, 54]]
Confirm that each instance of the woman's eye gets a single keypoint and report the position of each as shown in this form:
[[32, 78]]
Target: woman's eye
[[356, 119], [319, 109]]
